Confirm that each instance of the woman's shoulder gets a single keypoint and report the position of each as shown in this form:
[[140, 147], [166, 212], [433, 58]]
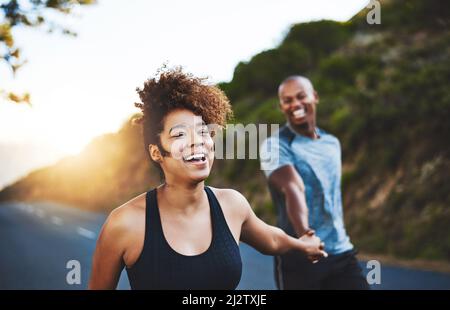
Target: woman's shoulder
[[123, 228], [125, 217], [227, 193], [232, 200]]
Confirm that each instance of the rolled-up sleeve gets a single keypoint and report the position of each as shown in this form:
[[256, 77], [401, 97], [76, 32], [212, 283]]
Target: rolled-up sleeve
[[273, 154]]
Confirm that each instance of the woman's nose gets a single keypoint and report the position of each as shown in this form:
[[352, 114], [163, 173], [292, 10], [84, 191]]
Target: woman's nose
[[197, 139]]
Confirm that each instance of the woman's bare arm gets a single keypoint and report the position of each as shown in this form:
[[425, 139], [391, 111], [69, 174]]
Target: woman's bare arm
[[272, 240], [108, 256]]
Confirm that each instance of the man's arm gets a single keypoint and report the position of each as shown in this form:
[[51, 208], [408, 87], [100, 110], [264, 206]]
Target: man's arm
[[288, 182]]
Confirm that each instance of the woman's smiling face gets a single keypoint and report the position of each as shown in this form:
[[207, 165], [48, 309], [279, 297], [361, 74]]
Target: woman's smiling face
[[188, 140]]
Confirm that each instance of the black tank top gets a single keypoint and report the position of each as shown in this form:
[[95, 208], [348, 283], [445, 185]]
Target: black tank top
[[161, 267]]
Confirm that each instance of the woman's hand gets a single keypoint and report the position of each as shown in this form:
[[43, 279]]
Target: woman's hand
[[312, 246]]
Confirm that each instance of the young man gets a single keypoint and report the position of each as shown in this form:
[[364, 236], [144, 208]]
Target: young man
[[303, 165]]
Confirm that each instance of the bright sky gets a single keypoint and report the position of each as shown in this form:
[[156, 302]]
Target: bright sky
[[83, 87]]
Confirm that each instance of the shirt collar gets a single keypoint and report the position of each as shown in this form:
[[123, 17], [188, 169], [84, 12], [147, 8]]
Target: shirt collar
[[319, 132]]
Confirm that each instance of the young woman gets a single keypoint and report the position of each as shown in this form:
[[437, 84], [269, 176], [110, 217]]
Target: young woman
[[183, 234]]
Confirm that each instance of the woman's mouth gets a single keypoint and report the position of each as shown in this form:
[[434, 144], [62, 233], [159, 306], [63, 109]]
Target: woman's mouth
[[197, 158]]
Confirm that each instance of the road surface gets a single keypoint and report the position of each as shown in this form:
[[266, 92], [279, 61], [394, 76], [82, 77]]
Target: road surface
[[38, 240]]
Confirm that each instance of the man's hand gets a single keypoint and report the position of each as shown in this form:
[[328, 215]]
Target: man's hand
[[312, 246]]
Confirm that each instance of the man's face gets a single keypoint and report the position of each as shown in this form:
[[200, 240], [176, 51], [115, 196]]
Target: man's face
[[298, 102]]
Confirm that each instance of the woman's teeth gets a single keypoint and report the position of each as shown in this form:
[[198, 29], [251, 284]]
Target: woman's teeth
[[195, 157], [299, 113]]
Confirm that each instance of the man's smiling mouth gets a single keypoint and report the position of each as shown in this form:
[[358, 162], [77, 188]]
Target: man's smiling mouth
[[299, 113]]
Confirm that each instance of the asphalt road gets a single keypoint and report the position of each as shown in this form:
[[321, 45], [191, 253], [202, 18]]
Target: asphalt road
[[38, 240]]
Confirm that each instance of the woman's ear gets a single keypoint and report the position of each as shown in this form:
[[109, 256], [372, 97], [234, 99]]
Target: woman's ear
[[155, 154]]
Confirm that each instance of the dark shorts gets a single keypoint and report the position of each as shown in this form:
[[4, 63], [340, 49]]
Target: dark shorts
[[293, 271]]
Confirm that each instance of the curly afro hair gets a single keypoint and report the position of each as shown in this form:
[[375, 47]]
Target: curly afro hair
[[172, 89]]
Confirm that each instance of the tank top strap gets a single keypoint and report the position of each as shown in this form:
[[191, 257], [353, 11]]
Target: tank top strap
[[220, 223], [153, 228]]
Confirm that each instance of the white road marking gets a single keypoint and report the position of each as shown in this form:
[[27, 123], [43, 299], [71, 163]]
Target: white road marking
[[20, 207], [86, 233], [56, 220], [30, 208], [40, 213]]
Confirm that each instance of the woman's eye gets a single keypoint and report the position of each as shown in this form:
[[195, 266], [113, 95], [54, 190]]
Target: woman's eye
[[203, 131], [179, 134]]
